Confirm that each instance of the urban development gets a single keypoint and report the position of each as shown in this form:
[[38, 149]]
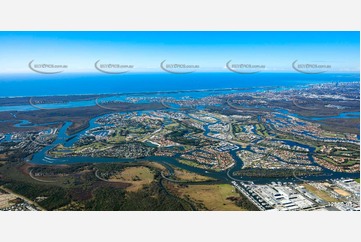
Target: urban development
[[285, 149]]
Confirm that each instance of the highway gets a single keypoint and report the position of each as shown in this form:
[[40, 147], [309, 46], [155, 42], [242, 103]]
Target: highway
[[24, 198]]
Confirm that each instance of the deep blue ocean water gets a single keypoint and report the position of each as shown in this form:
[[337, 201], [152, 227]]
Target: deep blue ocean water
[[33, 84]]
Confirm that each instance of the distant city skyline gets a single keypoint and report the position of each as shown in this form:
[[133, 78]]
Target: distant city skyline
[[210, 50]]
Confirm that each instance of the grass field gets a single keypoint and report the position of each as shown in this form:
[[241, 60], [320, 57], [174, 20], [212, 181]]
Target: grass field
[[214, 197], [156, 165], [136, 176], [117, 139], [191, 163], [184, 175], [321, 194]]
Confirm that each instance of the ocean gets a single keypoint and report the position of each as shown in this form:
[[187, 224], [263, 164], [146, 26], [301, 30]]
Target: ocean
[[33, 84]]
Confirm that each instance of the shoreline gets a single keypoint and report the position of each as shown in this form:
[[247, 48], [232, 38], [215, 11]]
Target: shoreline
[[145, 92], [297, 86]]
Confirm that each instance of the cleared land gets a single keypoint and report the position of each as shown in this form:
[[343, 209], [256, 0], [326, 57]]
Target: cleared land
[[9, 192], [136, 176], [214, 197], [321, 194], [5, 200], [342, 192]]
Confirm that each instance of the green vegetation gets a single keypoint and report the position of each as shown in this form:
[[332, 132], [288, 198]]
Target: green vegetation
[[236, 128], [279, 173], [348, 161], [85, 191], [55, 196], [106, 199], [342, 125], [261, 130], [137, 176], [187, 176], [181, 135], [152, 198], [190, 163], [110, 167], [118, 136], [178, 137], [59, 170]]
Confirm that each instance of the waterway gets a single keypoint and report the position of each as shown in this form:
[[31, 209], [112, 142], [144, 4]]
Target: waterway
[[42, 158]]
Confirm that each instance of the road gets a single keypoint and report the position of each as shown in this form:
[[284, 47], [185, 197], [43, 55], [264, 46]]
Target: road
[[24, 198]]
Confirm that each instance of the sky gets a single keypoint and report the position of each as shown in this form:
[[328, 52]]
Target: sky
[[210, 50]]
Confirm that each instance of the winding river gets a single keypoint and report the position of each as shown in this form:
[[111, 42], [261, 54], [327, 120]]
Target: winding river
[[41, 158]]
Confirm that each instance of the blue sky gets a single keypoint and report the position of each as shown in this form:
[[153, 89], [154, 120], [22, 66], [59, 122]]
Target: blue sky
[[209, 50]]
